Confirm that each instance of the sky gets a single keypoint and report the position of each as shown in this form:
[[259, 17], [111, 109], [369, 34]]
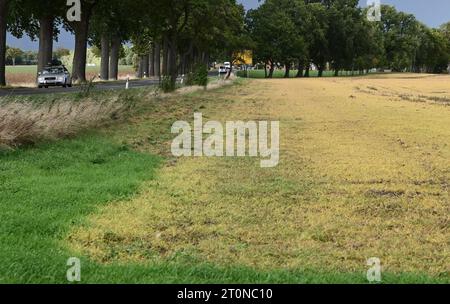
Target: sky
[[431, 12]]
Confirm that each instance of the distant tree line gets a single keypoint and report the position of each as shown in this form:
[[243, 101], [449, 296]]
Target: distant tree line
[[337, 35], [168, 36], [17, 56]]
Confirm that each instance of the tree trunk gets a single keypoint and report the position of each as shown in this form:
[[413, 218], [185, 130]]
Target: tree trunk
[[272, 68], [287, 70], [300, 70], [146, 67], [187, 63], [104, 65], [230, 71], [206, 59], [307, 71], [182, 69], [157, 62], [265, 70], [81, 29], [194, 57], [45, 42], [165, 62], [187, 58], [143, 66], [140, 72], [3, 14], [152, 62], [172, 59], [114, 60]]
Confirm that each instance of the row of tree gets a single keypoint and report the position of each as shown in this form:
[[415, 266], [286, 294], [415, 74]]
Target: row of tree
[[180, 33], [337, 34], [20, 57], [170, 37]]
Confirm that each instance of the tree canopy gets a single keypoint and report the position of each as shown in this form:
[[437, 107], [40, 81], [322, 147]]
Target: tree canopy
[[337, 34], [187, 31], [325, 34]]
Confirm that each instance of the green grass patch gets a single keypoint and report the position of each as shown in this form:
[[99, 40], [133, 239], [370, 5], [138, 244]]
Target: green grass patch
[[46, 190], [185, 272]]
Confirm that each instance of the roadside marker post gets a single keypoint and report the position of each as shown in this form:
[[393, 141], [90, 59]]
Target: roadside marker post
[[127, 85]]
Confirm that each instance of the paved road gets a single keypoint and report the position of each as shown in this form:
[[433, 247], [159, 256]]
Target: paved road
[[98, 86]]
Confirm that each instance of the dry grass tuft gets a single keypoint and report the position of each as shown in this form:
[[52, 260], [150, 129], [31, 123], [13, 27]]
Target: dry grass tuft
[[23, 123]]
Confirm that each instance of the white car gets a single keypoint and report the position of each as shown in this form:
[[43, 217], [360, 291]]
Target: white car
[[222, 70], [54, 76]]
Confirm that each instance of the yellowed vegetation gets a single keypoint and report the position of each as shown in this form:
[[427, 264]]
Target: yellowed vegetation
[[364, 172]]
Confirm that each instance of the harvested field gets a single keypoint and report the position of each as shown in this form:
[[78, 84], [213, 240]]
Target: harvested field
[[364, 172]]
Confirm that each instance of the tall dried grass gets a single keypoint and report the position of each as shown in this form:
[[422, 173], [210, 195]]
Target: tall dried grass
[[27, 122]]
